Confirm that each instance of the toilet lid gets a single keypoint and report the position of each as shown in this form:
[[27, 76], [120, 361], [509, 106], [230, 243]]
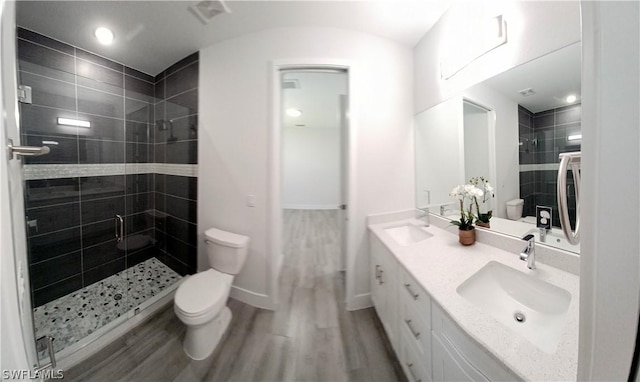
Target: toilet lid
[[203, 292]]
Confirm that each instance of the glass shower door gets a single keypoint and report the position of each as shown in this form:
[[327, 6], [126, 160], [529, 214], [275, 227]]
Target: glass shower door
[[75, 195]]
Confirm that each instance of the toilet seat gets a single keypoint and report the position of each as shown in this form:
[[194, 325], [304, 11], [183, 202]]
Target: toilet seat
[[202, 296]]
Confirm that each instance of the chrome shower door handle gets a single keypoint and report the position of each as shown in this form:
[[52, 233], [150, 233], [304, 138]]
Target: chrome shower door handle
[[32, 151], [119, 228]]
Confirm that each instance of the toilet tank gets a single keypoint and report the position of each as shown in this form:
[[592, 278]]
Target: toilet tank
[[226, 251], [514, 209]]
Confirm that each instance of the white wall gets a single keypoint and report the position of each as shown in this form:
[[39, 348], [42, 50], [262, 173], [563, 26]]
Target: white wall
[[610, 192], [311, 168], [235, 99], [506, 181], [534, 28]]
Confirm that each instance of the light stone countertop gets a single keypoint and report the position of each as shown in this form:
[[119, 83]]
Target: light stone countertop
[[440, 264]]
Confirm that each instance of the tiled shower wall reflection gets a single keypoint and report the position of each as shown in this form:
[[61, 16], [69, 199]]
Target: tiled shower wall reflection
[[78, 188], [543, 136]]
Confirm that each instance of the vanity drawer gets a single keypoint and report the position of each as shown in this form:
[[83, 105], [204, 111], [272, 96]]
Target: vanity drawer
[[412, 292], [415, 325], [413, 361]]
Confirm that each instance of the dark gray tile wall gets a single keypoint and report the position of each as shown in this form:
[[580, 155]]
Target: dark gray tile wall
[[526, 153], [176, 142], [72, 237], [544, 136]]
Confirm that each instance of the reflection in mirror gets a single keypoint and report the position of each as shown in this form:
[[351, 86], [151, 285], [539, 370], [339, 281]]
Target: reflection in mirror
[[438, 139], [530, 114], [477, 141]]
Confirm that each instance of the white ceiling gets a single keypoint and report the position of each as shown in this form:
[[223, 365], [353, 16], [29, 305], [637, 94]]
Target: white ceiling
[[317, 97], [552, 77], [152, 35]]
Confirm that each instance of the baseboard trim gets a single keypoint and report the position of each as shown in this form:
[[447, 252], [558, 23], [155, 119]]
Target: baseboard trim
[[361, 301], [310, 207], [258, 300]]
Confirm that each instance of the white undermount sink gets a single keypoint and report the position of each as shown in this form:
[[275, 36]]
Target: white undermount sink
[[530, 307], [407, 234]]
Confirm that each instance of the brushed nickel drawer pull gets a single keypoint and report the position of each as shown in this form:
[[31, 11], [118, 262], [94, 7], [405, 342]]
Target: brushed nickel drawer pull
[[415, 333], [411, 292], [410, 366]]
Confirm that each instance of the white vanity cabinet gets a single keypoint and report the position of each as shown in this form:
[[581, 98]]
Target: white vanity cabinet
[[428, 344], [455, 357], [384, 289]]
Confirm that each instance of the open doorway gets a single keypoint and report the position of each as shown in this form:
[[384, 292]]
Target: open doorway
[[314, 128]]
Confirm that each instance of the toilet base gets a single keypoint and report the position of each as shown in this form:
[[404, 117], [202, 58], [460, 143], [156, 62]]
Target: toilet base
[[200, 341]]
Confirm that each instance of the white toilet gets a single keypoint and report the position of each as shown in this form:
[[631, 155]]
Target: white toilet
[[200, 301], [514, 209]]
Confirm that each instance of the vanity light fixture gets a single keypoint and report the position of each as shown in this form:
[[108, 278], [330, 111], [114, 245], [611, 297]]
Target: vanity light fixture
[[295, 113], [574, 137], [571, 98], [73, 122], [104, 35], [495, 28]]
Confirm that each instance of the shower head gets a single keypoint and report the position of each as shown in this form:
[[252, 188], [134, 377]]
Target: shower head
[[171, 138], [161, 124]]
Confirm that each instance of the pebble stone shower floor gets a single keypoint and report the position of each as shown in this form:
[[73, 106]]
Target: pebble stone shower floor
[[70, 318]]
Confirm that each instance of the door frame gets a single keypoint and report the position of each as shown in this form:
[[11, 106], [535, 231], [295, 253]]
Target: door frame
[[490, 113], [274, 192]]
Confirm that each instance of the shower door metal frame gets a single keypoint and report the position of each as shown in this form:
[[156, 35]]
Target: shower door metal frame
[[15, 184]]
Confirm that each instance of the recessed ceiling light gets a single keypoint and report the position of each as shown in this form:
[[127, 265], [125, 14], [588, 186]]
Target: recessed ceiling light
[[295, 113], [104, 35], [571, 98]]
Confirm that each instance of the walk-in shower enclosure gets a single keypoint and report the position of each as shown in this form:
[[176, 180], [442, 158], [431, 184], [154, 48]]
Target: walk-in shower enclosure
[[111, 210]]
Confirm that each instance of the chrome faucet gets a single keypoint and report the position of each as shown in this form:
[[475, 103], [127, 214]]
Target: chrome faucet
[[425, 210], [543, 234], [425, 215], [529, 253]]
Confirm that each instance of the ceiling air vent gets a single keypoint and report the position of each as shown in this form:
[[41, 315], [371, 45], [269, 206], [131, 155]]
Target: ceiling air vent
[[291, 84], [207, 10], [526, 92]]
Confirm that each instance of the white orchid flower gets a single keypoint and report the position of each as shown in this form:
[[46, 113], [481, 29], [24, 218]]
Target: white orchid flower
[[476, 192], [468, 188]]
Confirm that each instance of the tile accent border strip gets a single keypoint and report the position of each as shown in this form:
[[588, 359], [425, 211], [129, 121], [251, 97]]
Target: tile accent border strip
[[56, 171], [540, 167]]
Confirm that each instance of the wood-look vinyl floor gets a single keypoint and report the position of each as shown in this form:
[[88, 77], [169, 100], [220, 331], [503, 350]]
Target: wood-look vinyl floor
[[310, 337]]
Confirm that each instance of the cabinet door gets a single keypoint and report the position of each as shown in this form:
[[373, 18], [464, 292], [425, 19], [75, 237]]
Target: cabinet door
[[448, 365], [473, 356], [384, 281]]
